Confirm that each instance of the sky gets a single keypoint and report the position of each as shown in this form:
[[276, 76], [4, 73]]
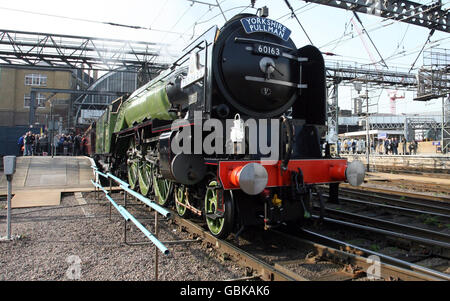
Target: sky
[[176, 22]]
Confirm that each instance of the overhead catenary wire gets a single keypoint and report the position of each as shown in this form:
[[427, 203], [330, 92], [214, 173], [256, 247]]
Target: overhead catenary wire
[[198, 21], [343, 35], [415, 50], [386, 19], [403, 38], [394, 56], [420, 52], [298, 21], [221, 10], [89, 20], [189, 34], [370, 39], [298, 11], [159, 12], [230, 9], [176, 23], [360, 34], [376, 26]]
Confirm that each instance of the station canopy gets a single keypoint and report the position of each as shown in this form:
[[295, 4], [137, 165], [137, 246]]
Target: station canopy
[[380, 134]]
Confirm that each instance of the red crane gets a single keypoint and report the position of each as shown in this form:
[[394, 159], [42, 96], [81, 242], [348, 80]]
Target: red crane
[[393, 97]]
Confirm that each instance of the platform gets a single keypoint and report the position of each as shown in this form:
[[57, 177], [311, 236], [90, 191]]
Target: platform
[[61, 173], [418, 163], [381, 176]]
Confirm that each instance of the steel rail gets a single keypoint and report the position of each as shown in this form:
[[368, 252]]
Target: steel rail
[[388, 263], [414, 233], [375, 203], [332, 249], [416, 239], [263, 270], [408, 200]]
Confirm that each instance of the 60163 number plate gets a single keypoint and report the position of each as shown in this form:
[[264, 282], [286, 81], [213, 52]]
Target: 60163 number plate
[[266, 49]]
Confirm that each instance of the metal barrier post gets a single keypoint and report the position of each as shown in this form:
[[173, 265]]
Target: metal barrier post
[[9, 168], [156, 248], [125, 224], [97, 190], [159, 246], [8, 234], [110, 205]]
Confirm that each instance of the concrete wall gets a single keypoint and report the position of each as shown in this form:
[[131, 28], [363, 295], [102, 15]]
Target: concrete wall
[[408, 163]]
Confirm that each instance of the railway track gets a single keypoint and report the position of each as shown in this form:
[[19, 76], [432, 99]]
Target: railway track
[[258, 268], [323, 247], [390, 267], [430, 213], [403, 220], [420, 235], [355, 260], [439, 206]]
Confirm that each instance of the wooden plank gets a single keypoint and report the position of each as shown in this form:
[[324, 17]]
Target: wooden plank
[[36, 198]]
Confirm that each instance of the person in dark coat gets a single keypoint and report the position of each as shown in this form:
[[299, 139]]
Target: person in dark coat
[[404, 146], [20, 144], [395, 146], [43, 144], [77, 145], [413, 147], [28, 143], [387, 146]]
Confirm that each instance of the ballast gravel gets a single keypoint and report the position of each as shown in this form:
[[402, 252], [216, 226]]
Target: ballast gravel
[[80, 242]]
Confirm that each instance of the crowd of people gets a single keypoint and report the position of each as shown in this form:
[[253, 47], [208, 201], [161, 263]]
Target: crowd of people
[[351, 146], [31, 144], [387, 146]]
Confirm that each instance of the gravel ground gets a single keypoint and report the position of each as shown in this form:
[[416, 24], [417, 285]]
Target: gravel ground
[[404, 186], [70, 241], [61, 243]]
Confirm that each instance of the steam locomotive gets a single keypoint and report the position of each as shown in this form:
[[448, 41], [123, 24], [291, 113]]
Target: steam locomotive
[[231, 132]]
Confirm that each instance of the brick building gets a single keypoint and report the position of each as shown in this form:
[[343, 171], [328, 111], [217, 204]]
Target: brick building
[[15, 86]]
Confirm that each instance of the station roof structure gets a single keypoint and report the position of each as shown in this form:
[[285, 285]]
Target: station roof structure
[[363, 134], [77, 52]]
